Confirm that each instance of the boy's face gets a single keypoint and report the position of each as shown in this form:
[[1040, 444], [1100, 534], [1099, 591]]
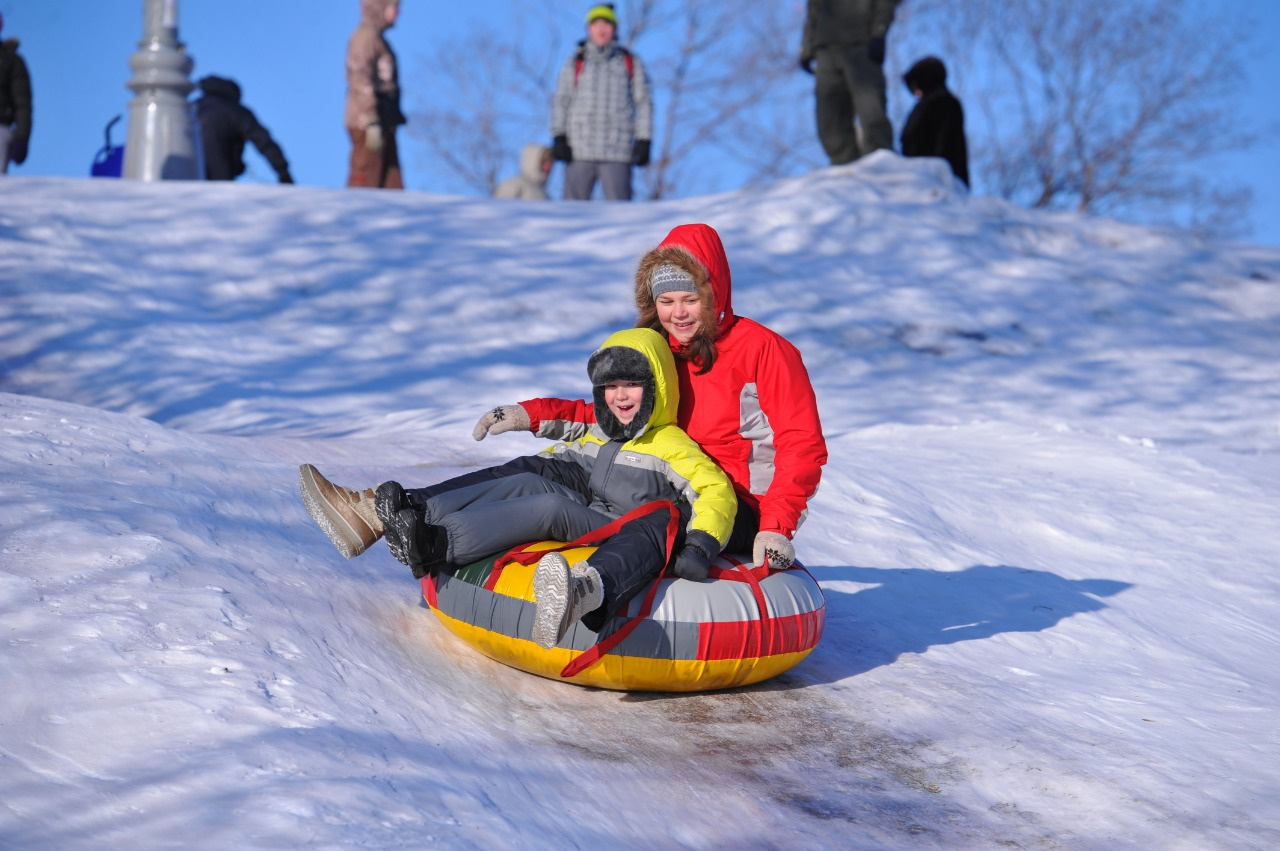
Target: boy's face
[[623, 399]]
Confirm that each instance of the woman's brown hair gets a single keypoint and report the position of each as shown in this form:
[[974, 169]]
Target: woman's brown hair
[[701, 351]]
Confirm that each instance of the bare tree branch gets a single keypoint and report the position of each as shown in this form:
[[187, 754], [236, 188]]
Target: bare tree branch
[[1113, 108]]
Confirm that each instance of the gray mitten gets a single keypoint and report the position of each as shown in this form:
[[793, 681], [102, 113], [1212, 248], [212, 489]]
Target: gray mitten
[[500, 419], [776, 547]]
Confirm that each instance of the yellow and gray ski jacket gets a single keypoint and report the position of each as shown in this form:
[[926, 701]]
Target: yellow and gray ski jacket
[[660, 462]]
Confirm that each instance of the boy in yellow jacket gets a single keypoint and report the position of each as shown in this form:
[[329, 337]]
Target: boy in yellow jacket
[[632, 456]]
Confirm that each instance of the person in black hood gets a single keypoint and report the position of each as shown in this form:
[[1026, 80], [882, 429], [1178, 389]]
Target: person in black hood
[[935, 127], [225, 125]]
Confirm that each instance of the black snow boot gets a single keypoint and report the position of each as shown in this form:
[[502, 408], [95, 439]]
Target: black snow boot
[[412, 540]]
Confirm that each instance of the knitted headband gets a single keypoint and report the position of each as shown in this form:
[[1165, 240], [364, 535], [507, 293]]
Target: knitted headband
[[670, 278]]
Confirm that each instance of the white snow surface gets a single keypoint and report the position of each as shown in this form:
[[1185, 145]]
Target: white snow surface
[[1048, 534]]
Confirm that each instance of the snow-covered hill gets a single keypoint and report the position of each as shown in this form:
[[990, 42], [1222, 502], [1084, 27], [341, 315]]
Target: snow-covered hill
[[1048, 533]]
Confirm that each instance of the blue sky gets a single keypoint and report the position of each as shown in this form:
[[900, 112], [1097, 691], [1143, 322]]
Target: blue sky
[[288, 57]]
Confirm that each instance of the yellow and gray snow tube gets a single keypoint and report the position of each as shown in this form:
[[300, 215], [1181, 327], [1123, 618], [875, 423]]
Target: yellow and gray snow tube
[[741, 626]]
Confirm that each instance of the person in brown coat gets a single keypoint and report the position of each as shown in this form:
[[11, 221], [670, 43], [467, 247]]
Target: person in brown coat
[[373, 99]]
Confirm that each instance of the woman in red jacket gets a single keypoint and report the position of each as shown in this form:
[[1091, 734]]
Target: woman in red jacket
[[745, 395]]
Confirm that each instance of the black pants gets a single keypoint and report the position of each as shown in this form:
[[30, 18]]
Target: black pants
[[485, 515]]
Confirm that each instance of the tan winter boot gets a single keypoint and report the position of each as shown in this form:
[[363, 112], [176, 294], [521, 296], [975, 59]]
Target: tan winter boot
[[347, 516], [563, 595]]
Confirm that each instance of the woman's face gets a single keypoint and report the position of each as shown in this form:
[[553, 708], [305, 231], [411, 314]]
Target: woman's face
[[680, 314]]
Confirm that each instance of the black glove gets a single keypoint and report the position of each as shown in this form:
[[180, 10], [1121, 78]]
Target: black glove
[[560, 150], [696, 557], [18, 150], [640, 152], [875, 50], [806, 65]]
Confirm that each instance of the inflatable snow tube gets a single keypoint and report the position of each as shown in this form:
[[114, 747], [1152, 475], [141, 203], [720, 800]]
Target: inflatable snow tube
[[741, 626]]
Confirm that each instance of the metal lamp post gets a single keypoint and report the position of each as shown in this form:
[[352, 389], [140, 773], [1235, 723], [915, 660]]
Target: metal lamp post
[[161, 144]]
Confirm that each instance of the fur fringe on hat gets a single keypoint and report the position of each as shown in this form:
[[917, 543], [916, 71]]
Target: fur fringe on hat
[[702, 350]]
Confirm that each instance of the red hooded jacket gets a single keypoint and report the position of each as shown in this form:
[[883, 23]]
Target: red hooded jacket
[[754, 412]]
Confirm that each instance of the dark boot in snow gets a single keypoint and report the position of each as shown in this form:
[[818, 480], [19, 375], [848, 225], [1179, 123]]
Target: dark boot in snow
[[413, 541], [348, 517], [389, 500]]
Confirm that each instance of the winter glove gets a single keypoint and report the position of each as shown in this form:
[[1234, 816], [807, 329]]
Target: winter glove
[[560, 150], [18, 150], [500, 419], [875, 50], [640, 152], [693, 561], [806, 65], [776, 547], [373, 137]]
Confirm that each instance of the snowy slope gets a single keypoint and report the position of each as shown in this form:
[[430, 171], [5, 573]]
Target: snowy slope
[[1048, 533]]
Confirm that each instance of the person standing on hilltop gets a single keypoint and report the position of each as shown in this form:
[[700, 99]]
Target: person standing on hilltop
[[15, 104], [846, 38], [602, 113], [373, 99]]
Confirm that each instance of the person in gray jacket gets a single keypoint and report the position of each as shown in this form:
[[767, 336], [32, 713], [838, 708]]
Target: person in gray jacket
[[602, 114], [847, 40]]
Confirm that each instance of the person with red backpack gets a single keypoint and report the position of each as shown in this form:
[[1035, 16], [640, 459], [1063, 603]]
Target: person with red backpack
[[602, 113]]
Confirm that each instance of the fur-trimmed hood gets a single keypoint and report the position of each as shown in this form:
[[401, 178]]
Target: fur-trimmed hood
[[697, 249]]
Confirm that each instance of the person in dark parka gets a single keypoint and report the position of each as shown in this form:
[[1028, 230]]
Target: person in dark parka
[[935, 127], [15, 104], [225, 126]]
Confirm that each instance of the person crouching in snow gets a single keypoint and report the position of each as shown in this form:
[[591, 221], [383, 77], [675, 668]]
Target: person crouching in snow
[[531, 183], [632, 456]]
